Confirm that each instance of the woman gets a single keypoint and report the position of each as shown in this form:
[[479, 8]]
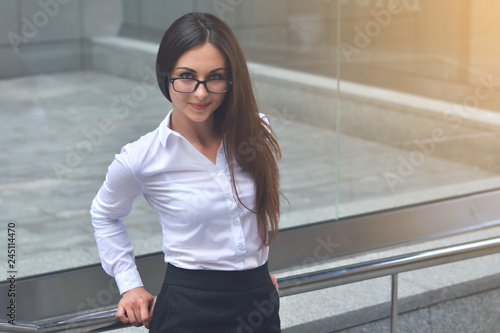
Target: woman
[[209, 171]]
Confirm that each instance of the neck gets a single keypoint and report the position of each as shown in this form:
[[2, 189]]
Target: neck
[[197, 133]]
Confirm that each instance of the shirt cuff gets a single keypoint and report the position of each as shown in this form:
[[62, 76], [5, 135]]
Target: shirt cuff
[[128, 280]]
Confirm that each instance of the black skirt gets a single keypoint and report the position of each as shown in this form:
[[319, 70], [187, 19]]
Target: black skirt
[[192, 301]]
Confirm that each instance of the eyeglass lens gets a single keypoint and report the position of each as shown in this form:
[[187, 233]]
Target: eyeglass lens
[[188, 85]]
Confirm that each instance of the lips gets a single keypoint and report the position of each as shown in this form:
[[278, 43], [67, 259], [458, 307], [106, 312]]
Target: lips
[[200, 107]]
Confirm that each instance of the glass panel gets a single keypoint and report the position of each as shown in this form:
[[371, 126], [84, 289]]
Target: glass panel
[[419, 102], [416, 120]]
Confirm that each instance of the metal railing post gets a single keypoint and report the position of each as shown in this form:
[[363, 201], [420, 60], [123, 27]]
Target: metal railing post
[[394, 304]]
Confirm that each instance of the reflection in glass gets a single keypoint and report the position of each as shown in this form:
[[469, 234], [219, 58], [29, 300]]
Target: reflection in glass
[[418, 117]]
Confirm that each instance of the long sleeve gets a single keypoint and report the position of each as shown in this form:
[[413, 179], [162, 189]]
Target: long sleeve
[[112, 203]]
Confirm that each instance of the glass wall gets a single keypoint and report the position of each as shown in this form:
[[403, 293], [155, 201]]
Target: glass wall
[[420, 95], [377, 104]]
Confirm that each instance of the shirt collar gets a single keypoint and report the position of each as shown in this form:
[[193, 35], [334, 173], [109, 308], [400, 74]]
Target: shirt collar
[[165, 131]]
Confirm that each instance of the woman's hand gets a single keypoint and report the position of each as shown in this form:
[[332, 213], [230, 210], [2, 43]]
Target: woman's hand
[[275, 282], [136, 307]]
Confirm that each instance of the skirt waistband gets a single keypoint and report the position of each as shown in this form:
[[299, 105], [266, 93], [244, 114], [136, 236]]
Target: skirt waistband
[[216, 280]]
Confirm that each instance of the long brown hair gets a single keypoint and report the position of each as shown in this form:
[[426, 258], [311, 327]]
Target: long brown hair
[[248, 139]]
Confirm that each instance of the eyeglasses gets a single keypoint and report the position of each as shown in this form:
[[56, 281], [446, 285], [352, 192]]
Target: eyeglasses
[[217, 86]]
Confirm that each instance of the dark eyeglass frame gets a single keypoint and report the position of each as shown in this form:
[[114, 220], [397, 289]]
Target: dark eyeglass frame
[[172, 79]]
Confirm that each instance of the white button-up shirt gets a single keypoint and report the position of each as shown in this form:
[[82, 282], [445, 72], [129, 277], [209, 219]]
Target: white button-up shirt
[[204, 226]]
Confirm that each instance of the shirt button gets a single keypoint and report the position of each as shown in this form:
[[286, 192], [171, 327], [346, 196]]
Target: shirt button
[[220, 176], [235, 222], [241, 246], [221, 151]]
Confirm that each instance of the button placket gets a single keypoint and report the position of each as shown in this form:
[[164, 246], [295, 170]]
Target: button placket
[[238, 235], [226, 187], [223, 178], [221, 158], [240, 251]]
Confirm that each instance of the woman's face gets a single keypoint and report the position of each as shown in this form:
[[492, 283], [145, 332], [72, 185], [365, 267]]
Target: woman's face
[[203, 62]]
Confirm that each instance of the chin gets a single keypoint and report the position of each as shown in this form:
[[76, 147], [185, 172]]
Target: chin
[[200, 116]]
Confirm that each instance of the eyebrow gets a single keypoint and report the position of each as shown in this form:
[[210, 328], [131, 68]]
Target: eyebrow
[[193, 71]]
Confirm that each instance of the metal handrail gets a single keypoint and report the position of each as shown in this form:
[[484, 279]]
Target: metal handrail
[[327, 278], [300, 283], [332, 277]]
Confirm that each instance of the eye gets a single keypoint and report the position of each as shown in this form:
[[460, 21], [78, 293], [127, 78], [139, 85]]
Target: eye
[[215, 77], [186, 76]]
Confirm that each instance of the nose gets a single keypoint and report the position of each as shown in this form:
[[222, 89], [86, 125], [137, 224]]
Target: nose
[[201, 91]]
